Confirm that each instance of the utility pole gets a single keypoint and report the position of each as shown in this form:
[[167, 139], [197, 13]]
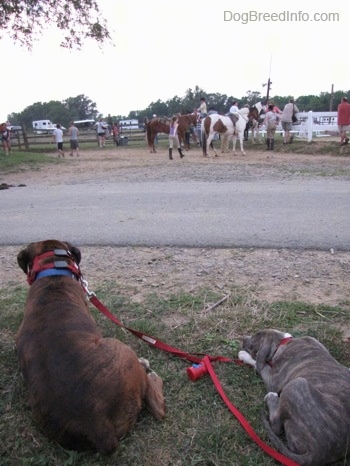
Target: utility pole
[[268, 91], [268, 84], [331, 99]]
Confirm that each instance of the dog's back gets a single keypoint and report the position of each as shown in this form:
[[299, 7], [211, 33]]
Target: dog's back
[[85, 390]]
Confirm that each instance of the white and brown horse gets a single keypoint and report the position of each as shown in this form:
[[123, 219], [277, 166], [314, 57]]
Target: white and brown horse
[[228, 126]]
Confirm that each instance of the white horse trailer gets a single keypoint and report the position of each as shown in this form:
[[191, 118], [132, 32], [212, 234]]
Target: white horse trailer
[[44, 127]]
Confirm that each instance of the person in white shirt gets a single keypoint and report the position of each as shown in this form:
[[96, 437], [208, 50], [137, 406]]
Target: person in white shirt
[[234, 107], [203, 108], [58, 138], [101, 132]]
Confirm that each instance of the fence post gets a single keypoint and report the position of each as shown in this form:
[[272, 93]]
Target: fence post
[[25, 136], [310, 122]]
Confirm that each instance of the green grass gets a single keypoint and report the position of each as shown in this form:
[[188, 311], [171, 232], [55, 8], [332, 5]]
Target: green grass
[[22, 161], [198, 428]]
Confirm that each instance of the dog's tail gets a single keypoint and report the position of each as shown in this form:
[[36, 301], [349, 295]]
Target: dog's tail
[[303, 459]]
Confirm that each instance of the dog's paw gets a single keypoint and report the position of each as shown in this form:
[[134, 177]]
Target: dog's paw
[[145, 364], [245, 357], [270, 396], [153, 375]]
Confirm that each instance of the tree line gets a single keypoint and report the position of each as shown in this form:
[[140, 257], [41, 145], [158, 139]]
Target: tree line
[[83, 108]]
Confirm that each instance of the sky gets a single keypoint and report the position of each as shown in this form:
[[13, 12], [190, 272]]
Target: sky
[[161, 49]]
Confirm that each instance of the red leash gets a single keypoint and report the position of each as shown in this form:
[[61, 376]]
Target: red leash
[[202, 366], [152, 341], [248, 428]]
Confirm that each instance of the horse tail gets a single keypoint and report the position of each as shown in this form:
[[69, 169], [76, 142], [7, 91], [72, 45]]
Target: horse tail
[[148, 132], [204, 136]]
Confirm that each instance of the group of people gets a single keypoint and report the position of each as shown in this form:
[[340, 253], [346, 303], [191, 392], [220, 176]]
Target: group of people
[[273, 117], [102, 130], [73, 133]]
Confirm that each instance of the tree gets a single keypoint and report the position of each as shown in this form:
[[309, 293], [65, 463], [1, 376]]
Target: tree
[[252, 97], [78, 20], [73, 108], [81, 108]]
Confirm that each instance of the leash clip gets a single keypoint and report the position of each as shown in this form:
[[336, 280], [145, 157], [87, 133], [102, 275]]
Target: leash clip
[[85, 284]]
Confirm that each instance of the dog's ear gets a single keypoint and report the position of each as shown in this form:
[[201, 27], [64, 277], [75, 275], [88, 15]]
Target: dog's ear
[[263, 356], [75, 252], [23, 259]]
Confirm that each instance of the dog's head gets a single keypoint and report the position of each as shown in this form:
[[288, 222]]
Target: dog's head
[[263, 345], [26, 257]]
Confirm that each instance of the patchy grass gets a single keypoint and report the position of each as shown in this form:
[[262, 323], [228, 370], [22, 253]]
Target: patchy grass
[[23, 161], [198, 428]]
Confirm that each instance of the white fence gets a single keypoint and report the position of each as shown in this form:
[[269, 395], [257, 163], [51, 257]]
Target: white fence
[[312, 124]]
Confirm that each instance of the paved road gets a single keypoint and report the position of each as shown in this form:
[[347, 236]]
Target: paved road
[[278, 214]]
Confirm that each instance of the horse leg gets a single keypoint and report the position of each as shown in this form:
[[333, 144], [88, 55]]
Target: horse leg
[[234, 139], [151, 143], [224, 144], [182, 139], [257, 133], [253, 132], [210, 144], [241, 143]]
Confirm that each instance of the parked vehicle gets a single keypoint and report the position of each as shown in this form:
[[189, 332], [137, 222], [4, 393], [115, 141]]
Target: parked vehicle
[[44, 127], [85, 124]]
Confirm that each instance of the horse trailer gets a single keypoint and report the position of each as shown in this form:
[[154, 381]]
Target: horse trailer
[[44, 127]]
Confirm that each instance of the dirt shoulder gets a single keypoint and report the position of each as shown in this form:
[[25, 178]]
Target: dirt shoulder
[[298, 275]]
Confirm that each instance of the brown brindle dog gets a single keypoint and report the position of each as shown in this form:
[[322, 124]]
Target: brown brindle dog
[[86, 391]]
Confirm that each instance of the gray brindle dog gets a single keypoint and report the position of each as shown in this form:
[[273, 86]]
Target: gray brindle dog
[[308, 396]]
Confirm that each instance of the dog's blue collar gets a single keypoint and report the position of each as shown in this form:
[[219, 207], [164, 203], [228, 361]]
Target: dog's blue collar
[[52, 272]]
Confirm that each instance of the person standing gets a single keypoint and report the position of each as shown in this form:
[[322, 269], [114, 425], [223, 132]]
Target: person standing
[[5, 138], [73, 139], [343, 120], [58, 138], [115, 133], [275, 108], [101, 132], [173, 138], [287, 121], [271, 121], [156, 136]]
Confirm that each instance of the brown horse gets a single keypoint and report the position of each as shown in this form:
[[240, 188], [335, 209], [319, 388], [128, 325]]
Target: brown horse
[[162, 125], [254, 117]]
